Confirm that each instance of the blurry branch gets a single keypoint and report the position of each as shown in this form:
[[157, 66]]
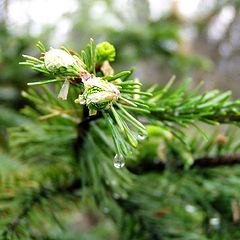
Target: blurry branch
[[207, 161], [203, 162], [227, 33], [204, 21], [133, 209], [4, 6], [36, 198], [229, 117]]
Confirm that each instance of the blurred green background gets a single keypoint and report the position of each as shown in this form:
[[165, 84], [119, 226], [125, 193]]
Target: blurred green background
[[160, 38]]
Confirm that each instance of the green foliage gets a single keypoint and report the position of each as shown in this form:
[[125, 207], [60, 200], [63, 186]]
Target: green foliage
[[13, 79], [64, 157]]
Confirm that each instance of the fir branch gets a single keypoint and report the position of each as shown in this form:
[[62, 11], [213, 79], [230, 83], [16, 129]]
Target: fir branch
[[203, 162], [210, 161], [26, 208], [213, 107], [82, 130], [133, 210], [116, 101], [28, 204]]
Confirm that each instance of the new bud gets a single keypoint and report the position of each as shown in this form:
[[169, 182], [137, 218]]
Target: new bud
[[55, 59], [64, 65], [105, 52], [98, 94]]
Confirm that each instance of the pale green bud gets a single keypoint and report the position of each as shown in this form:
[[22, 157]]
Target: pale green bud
[[63, 64], [98, 94], [55, 59]]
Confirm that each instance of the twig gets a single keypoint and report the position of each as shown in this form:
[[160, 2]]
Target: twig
[[206, 161], [229, 159], [82, 129]]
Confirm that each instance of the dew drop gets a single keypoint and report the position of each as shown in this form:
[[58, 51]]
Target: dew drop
[[190, 208], [215, 221], [114, 182], [116, 196], [118, 161], [106, 210], [141, 137]]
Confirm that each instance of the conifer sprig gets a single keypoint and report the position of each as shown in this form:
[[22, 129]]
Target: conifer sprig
[[69, 152], [116, 95], [120, 99]]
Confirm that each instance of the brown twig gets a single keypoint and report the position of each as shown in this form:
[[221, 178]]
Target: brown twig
[[203, 162], [229, 159]]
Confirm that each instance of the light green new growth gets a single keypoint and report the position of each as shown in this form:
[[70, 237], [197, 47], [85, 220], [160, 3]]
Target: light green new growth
[[97, 93], [120, 100], [106, 120]]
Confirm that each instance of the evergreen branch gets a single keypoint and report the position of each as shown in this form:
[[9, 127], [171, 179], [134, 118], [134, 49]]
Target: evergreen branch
[[133, 210], [209, 161], [82, 130], [115, 101], [97, 93], [177, 106], [103, 93], [230, 116], [203, 162], [26, 208], [28, 204]]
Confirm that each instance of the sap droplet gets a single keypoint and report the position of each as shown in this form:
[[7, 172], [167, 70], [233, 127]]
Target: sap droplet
[[141, 137], [118, 161]]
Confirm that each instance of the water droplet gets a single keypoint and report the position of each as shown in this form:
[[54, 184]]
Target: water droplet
[[141, 137], [190, 208], [106, 210], [215, 221], [118, 161], [116, 196], [114, 182]]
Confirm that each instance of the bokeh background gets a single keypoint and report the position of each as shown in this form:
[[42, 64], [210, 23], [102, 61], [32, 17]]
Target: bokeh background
[[198, 39]]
